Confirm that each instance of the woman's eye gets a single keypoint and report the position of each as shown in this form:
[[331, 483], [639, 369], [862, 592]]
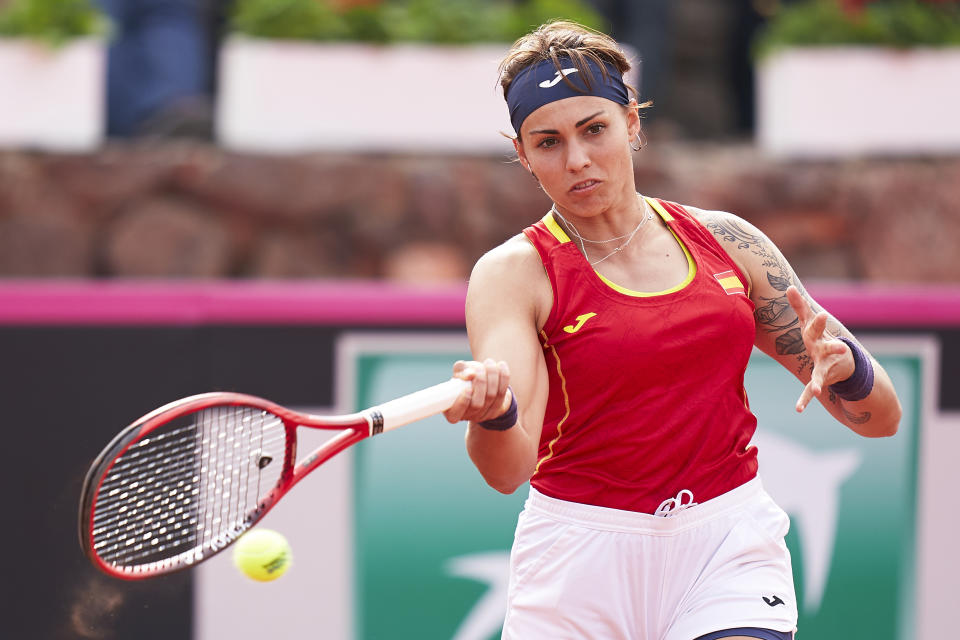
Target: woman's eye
[[596, 127], [546, 143]]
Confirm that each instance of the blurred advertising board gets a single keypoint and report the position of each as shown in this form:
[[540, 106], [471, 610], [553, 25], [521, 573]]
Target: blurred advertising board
[[433, 541]]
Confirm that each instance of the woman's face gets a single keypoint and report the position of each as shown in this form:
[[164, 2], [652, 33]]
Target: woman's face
[[579, 149]]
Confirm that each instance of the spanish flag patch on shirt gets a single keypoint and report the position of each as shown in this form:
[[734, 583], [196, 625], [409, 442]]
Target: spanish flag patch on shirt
[[730, 282]]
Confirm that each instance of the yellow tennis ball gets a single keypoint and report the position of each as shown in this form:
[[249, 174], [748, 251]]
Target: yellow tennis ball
[[262, 554]]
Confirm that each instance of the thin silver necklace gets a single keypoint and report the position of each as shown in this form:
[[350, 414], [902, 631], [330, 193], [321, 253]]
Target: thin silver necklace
[[628, 236]]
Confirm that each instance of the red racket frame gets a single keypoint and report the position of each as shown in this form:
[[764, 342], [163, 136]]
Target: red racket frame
[[354, 428]]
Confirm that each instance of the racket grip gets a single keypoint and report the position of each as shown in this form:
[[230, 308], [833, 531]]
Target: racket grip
[[421, 404]]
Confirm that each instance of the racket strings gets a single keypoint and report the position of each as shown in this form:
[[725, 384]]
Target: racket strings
[[166, 460], [223, 472], [188, 487]]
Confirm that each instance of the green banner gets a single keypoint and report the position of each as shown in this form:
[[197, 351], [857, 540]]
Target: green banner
[[433, 540], [851, 500]]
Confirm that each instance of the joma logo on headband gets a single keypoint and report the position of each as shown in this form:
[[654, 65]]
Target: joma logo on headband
[[546, 84]]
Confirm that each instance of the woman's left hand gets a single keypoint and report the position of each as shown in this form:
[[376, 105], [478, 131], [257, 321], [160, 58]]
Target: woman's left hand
[[831, 362]]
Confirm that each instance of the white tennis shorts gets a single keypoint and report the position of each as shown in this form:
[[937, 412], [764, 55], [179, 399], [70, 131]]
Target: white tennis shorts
[[579, 571]]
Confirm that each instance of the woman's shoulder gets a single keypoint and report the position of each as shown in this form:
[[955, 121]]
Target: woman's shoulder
[[513, 272], [727, 227], [706, 217], [513, 254], [740, 240], [709, 216]]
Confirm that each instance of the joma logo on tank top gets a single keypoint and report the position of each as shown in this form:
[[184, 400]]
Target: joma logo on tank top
[[581, 319]]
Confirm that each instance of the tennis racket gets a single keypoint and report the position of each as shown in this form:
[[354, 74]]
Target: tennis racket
[[184, 481]]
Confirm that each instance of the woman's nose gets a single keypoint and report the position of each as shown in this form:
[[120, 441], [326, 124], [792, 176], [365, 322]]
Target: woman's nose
[[577, 156]]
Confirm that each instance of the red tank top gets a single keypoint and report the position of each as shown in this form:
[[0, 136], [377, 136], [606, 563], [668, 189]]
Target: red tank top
[[646, 390]]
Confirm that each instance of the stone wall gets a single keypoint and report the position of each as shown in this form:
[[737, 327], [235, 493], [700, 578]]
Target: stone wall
[[186, 210]]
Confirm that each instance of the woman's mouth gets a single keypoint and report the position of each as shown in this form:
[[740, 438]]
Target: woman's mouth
[[584, 186]]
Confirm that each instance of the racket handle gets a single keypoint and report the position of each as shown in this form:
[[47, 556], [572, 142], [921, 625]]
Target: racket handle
[[421, 404]]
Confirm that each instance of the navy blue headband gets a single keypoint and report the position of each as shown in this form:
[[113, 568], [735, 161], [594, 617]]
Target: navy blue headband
[[541, 84]]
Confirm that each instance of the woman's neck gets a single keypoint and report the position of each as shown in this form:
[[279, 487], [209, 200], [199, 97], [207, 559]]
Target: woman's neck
[[606, 226], [597, 249]]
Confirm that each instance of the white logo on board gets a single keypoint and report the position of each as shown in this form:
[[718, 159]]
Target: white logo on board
[[493, 569], [813, 504]]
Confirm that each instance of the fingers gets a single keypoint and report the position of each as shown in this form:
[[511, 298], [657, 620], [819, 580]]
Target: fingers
[[837, 348], [818, 325], [815, 332], [821, 345], [504, 383], [812, 390], [464, 371], [816, 337], [805, 397], [800, 305], [489, 387], [486, 398]]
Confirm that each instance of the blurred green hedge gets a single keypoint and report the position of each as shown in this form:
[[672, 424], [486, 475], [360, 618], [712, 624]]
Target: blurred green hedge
[[52, 21], [890, 23], [433, 21]]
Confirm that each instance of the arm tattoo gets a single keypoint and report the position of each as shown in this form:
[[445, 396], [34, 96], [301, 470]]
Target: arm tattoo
[[790, 342], [773, 314], [851, 417]]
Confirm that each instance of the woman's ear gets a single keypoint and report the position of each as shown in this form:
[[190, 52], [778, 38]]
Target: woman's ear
[[518, 147], [633, 120]]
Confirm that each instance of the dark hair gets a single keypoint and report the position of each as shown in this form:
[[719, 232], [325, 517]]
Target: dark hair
[[564, 39]]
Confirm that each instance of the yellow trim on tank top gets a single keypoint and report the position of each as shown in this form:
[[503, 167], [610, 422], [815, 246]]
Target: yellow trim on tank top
[[691, 272], [566, 401], [659, 209], [555, 228], [551, 223]]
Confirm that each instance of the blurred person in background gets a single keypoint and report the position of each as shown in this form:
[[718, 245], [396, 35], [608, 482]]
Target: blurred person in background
[[161, 67], [646, 26], [749, 18], [611, 340]]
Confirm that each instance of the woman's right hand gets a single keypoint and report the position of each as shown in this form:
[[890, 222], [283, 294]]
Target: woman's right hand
[[488, 396]]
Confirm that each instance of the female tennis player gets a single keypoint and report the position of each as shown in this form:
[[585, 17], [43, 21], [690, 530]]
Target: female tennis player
[[610, 343]]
